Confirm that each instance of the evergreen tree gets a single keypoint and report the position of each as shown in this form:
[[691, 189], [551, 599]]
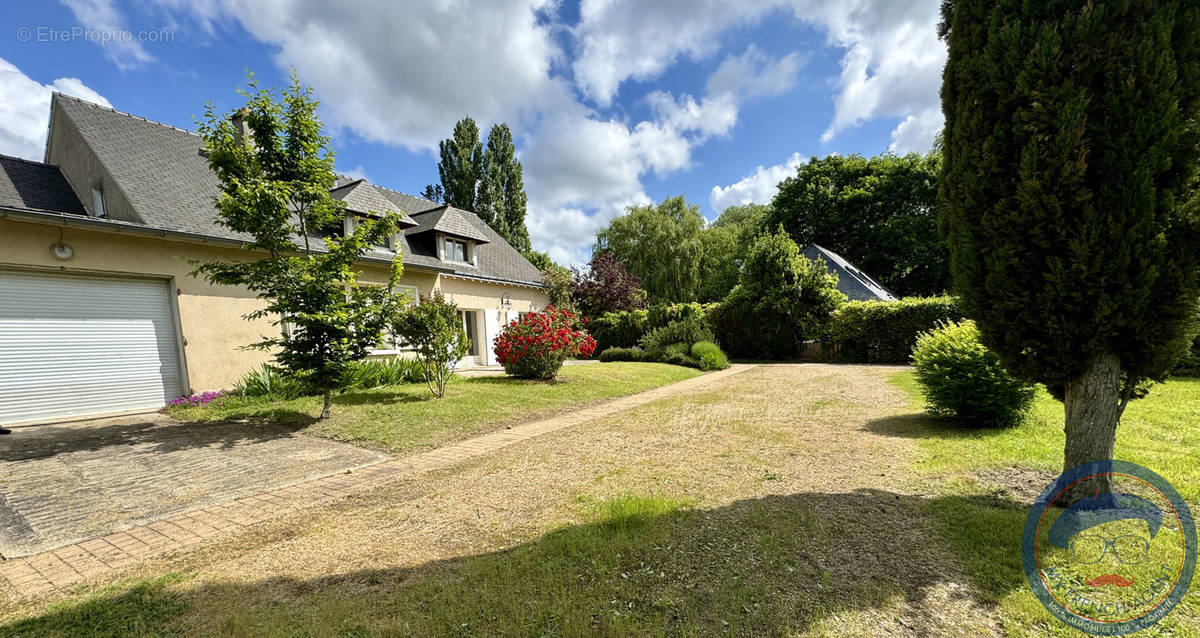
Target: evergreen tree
[[461, 165], [434, 193], [501, 199], [1067, 194]]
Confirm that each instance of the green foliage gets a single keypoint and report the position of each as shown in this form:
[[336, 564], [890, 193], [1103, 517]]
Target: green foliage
[[724, 243], [376, 373], [622, 354], [685, 332], [880, 213], [275, 184], [539, 259], [662, 314], [710, 356], [961, 378], [619, 329], [1071, 146], [781, 299], [461, 165], [886, 331], [1189, 363], [560, 282], [434, 193], [500, 200], [435, 332], [660, 245], [269, 381]]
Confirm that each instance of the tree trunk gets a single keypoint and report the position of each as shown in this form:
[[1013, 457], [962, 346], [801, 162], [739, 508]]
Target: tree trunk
[[1093, 408], [328, 405]]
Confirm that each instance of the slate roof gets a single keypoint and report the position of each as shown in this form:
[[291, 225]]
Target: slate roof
[[363, 198], [167, 180], [854, 283], [36, 186], [447, 220]]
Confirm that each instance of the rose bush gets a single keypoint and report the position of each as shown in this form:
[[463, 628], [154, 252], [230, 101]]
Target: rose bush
[[536, 345]]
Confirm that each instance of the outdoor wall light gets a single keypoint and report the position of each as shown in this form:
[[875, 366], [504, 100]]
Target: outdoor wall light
[[61, 251], [505, 301]]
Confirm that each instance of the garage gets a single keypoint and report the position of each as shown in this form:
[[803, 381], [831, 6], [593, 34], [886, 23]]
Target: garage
[[74, 346]]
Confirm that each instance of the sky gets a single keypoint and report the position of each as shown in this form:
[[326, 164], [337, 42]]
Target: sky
[[612, 103]]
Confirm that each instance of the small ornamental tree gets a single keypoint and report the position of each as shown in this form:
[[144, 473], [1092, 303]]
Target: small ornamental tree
[[435, 332], [606, 286], [275, 169], [535, 346], [1067, 192]]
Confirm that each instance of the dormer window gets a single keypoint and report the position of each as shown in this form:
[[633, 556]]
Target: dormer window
[[457, 250], [350, 222], [98, 209]]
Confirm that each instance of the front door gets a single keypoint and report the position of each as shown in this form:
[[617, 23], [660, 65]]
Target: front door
[[470, 320]]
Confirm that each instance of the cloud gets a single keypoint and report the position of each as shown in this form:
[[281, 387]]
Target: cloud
[[752, 74], [25, 109], [758, 187], [917, 131], [103, 16]]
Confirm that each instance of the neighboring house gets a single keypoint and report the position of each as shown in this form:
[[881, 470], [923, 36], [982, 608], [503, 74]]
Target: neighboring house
[[854, 283], [98, 312]]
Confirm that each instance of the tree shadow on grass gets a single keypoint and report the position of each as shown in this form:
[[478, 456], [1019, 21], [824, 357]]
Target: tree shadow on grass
[[919, 425], [775, 565]]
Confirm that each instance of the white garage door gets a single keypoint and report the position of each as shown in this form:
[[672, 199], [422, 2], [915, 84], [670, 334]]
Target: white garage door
[[76, 346]]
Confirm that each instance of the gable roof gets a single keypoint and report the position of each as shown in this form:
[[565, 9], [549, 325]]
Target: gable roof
[[854, 283], [448, 220], [167, 181], [363, 198], [36, 186]]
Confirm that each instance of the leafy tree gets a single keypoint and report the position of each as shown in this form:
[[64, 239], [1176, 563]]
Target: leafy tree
[[606, 286], [275, 184], [539, 259], [501, 198], [435, 332], [781, 299], [434, 193], [723, 245], [661, 245], [750, 219], [880, 213], [461, 165], [560, 284], [1068, 195]]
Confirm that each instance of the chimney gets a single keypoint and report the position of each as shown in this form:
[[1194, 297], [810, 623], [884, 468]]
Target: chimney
[[241, 130]]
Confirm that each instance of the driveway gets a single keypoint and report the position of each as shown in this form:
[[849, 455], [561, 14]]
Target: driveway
[[63, 483]]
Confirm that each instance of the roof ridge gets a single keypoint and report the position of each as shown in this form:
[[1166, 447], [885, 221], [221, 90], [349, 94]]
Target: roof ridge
[[27, 161], [349, 184], [435, 204], [131, 115]]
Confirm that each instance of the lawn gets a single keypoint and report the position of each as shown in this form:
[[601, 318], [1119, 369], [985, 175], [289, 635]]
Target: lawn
[[407, 418], [785, 500]]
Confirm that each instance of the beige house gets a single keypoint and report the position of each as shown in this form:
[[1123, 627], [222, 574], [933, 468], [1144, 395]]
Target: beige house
[[98, 313]]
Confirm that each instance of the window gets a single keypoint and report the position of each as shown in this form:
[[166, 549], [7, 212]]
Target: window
[[456, 250], [470, 317], [350, 222], [98, 209]]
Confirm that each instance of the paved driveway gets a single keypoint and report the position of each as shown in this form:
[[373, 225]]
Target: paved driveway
[[63, 483]]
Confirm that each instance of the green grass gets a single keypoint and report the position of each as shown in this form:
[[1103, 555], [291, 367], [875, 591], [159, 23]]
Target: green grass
[[983, 523], [405, 418]]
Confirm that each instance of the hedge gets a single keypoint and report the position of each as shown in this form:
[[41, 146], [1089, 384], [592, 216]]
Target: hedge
[[625, 329], [886, 331]]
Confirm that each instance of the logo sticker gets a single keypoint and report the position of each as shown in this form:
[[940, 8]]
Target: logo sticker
[[1110, 564]]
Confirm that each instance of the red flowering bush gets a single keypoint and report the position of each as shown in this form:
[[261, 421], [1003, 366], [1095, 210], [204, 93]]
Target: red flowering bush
[[535, 346]]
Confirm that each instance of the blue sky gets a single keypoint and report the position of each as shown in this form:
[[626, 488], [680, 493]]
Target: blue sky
[[612, 102]]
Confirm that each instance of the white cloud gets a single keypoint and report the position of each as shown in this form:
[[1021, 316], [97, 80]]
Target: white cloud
[[753, 74], [104, 17], [917, 131], [25, 109], [758, 187]]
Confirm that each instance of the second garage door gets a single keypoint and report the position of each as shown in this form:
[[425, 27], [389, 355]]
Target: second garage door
[[73, 346]]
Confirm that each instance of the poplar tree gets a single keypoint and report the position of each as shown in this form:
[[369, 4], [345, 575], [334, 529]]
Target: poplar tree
[[501, 200], [1068, 195], [461, 165]]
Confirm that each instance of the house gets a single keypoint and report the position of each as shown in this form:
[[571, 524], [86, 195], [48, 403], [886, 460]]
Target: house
[[854, 283], [98, 311]]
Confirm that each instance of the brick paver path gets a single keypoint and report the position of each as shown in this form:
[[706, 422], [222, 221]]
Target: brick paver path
[[75, 563]]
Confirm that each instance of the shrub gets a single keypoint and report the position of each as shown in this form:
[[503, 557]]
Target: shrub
[[373, 373], [535, 346], [622, 354], [269, 381], [886, 331], [434, 331], [664, 314], [710, 356], [1189, 364], [679, 359], [961, 378], [686, 331], [622, 329]]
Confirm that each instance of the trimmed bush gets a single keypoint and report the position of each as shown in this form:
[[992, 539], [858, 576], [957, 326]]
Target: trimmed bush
[[679, 359], [536, 345], [622, 329], [710, 356], [961, 378], [622, 354], [886, 331], [687, 332]]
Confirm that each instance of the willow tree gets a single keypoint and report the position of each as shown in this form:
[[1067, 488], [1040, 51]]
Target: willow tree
[[1067, 195], [661, 245]]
